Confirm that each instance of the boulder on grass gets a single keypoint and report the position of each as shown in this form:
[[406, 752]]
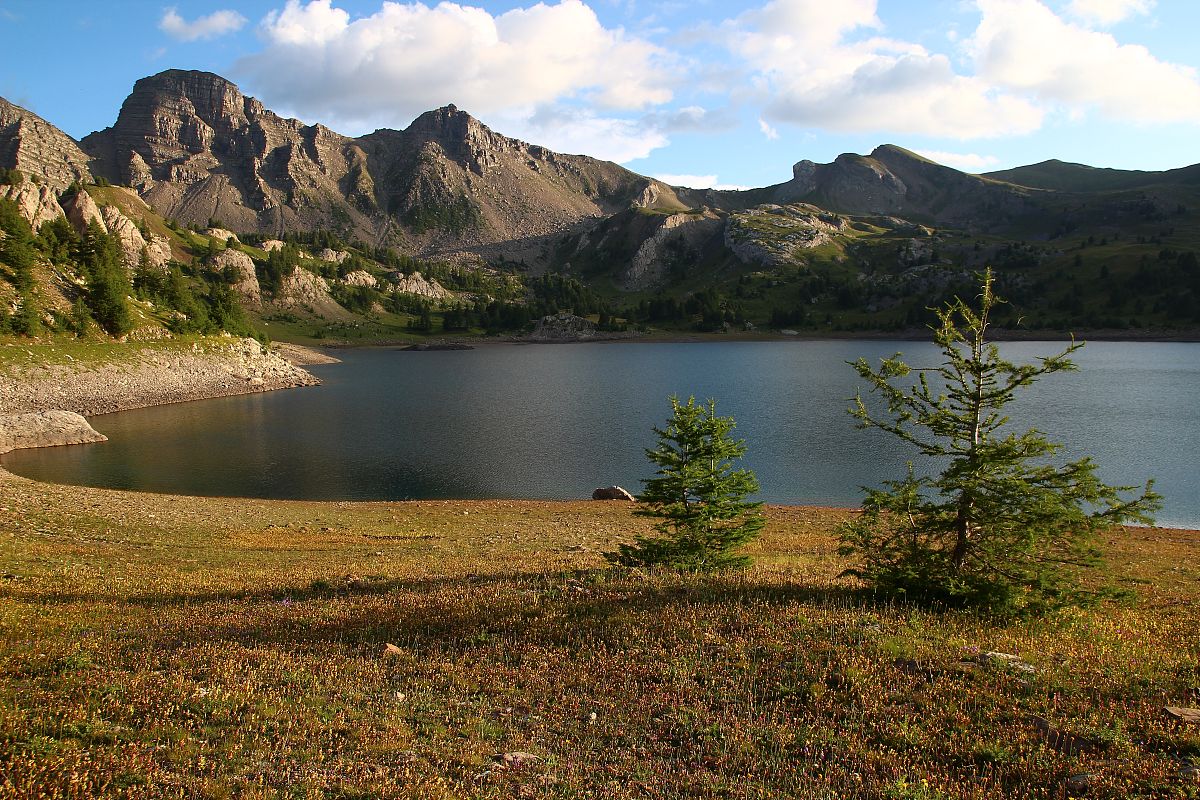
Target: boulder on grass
[[612, 493]]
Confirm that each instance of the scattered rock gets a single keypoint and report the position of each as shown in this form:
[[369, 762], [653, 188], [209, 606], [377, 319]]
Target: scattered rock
[[1191, 715], [271, 245], [1080, 782], [613, 493], [1006, 661], [391, 649]]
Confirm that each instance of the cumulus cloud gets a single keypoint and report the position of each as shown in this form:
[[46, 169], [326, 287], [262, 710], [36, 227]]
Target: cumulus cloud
[[1108, 12], [579, 130], [824, 66], [211, 26], [968, 162], [406, 58], [1024, 46]]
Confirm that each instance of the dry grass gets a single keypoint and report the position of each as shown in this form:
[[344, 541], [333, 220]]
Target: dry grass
[[160, 646]]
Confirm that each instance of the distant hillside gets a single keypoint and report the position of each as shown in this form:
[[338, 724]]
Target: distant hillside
[[1064, 176]]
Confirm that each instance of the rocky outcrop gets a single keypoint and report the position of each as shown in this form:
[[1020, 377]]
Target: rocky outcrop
[[82, 211], [306, 291], [246, 280], [332, 256], [679, 239], [221, 234], [133, 243], [360, 277], [562, 327], [772, 235], [38, 204], [151, 375], [35, 147], [45, 429], [417, 284], [271, 245]]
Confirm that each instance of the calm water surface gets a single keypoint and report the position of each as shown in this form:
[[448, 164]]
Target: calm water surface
[[555, 422]]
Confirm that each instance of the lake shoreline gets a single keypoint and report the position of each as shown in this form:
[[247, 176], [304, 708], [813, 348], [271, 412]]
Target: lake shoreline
[[140, 376], [684, 337]]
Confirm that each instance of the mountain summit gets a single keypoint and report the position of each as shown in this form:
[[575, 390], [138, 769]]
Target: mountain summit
[[197, 149]]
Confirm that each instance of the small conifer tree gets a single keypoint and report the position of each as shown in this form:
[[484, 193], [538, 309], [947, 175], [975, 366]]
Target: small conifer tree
[[1001, 526], [698, 495]]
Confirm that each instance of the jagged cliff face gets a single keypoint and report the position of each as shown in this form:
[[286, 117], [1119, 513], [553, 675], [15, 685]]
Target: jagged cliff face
[[34, 146], [196, 148]]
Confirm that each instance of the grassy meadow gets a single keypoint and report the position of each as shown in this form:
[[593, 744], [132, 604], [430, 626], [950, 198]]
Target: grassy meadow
[[156, 646]]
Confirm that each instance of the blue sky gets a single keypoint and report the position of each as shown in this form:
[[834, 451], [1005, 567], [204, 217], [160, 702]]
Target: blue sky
[[699, 92]]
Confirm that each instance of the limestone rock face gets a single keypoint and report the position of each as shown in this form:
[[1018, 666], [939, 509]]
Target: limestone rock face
[[272, 245], [301, 289], [81, 211], [45, 429], [246, 284], [131, 239], [562, 327], [37, 204], [360, 277], [679, 236], [332, 256], [417, 284], [34, 146], [222, 234]]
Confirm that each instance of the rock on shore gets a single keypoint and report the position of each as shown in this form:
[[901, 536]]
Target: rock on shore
[[151, 376], [45, 429]]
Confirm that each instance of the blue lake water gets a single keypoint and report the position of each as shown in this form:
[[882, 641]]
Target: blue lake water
[[556, 421]]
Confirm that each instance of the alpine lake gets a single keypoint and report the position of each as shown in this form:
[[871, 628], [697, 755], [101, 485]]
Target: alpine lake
[[557, 421]]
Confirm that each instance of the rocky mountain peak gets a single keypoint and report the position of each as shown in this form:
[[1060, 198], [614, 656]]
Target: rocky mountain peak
[[461, 137], [34, 146]]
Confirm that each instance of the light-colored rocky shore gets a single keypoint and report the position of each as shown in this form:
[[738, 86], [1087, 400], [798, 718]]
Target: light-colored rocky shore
[[140, 378]]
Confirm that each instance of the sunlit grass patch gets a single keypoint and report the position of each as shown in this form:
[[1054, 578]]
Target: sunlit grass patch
[[155, 646]]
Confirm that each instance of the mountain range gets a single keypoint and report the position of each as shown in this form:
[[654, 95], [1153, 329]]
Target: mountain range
[[199, 153]]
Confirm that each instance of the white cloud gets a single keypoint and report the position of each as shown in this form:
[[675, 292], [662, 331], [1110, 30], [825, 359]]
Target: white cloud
[[1109, 12], [577, 130], [1024, 46], [968, 162], [406, 58], [824, 66], [767, 130], [211, 26]]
